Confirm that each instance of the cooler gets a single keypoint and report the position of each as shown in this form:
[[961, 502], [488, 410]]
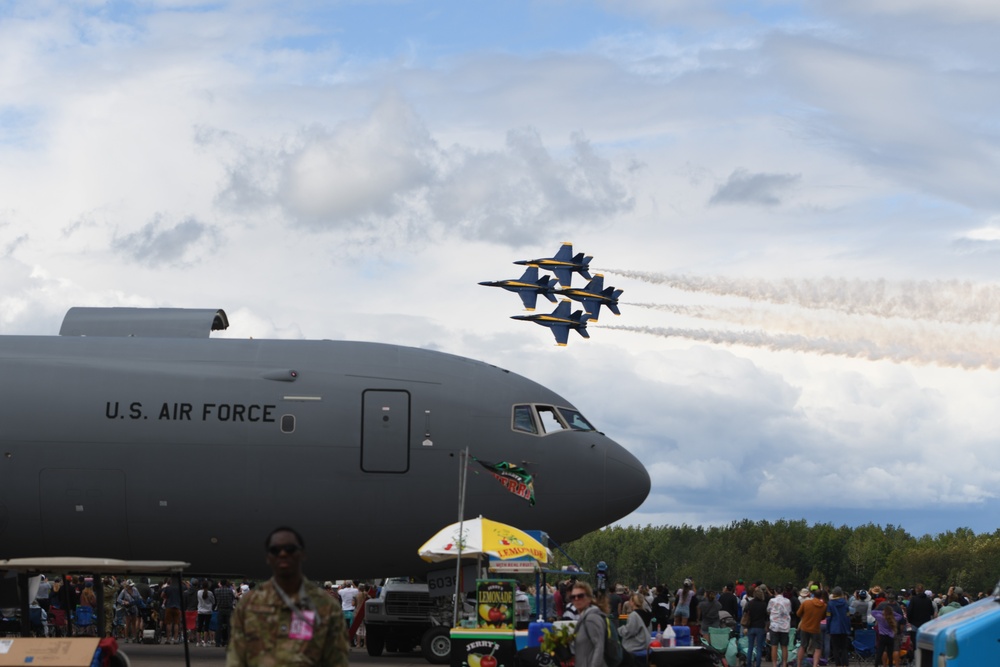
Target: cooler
[[535, 629], [682, 635]]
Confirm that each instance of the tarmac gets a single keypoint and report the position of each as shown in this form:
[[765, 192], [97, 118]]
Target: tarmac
[[153, 655]]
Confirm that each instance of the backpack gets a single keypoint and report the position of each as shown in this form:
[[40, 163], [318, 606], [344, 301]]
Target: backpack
[[612, 644]]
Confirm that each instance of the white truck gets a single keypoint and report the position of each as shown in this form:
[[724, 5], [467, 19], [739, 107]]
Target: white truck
[[403, 616]]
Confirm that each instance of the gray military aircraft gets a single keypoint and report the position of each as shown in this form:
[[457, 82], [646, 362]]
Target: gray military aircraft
[[135, 435]]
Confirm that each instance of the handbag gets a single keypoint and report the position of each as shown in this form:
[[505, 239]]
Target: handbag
[[745, 619]]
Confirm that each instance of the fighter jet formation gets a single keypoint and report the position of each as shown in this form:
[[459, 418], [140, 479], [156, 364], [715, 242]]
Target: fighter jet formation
[[563, 265]]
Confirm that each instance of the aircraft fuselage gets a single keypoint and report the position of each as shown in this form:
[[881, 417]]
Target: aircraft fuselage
[[194, 449]]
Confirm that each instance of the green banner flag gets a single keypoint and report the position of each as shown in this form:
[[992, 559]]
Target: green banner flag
[[514, 478]]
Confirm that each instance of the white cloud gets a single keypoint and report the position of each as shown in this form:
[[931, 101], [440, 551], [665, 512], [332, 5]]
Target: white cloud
[[243, 157]]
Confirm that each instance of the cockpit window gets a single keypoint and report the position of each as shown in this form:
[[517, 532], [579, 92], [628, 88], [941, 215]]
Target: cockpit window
[[523, 419], [575, 420], [542, 419], [550, 422]]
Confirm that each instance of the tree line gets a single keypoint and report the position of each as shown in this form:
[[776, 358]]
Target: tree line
[[791, 551]]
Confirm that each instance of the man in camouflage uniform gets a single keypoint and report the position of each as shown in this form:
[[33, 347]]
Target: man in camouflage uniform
[[287, 620], [110, 585]]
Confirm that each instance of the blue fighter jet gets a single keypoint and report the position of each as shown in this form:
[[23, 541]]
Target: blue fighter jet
[[528, 287], [594, 295], [560, 321], [564, 264]]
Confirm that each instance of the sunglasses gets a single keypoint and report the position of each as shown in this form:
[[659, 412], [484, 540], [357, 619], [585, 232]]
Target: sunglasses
[[578, 596], [289, 549]]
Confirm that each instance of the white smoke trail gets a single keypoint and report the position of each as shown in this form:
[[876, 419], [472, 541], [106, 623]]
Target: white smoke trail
[[972, 341], [937, 301], [858, 349]]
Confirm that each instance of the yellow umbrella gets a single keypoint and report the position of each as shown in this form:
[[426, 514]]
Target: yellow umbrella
[[482, 537]]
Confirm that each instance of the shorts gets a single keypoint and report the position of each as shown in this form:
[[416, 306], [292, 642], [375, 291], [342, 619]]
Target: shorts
[[779, 638], [897, 642], [683, 612], [811, 642], [204, 622], [172, 616]]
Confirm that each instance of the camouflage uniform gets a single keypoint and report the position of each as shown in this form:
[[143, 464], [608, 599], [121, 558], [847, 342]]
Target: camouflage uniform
[[260, 627], [110, 596]]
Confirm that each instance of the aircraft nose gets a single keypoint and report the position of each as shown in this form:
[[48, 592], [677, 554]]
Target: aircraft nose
[[626, 483]]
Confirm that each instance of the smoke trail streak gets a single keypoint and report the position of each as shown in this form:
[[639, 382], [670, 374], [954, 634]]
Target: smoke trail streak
[[960, 339], [857, 349], [937, 301]]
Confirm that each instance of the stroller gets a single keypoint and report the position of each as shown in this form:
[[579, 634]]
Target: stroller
[[151, 633]]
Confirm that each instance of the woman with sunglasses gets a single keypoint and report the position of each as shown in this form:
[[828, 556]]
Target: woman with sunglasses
[[588, 646]]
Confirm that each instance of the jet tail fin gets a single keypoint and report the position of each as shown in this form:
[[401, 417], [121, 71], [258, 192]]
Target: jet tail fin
[[564, 253]]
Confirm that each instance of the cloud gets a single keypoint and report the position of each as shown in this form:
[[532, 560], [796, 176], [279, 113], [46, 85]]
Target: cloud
[[385, 172], [742, 187], [156, 244], [362, 170], [507, 196], [957, 11], [985, 239]]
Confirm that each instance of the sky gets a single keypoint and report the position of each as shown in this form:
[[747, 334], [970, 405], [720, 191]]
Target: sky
[[799, 200]]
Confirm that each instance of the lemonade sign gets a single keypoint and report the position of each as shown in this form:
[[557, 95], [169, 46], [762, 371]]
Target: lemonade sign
[[495, 605]]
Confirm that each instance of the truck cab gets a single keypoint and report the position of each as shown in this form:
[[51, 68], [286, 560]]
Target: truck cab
[[965, 637]]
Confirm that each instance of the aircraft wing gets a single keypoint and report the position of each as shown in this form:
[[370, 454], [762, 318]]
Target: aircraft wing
[[530, 274], [564, 275], [562, 310], [593, 309], [561, 332], [528, 298]]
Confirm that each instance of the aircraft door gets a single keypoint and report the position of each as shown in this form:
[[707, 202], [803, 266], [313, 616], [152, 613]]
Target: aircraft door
[[385, 431], [85, 508]]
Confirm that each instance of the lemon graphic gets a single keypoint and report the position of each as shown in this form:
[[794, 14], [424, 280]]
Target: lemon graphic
[[474, 659], [484, 613]]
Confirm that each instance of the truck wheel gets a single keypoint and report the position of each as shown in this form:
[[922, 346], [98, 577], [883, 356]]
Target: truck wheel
[[436, 645], [374, 642]]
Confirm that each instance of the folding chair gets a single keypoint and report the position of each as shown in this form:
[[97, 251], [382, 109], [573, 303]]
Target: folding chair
[[57, 620], [83, 621], [718, 638], [793, 649], [863, 645], [716, 641], [35, 619]]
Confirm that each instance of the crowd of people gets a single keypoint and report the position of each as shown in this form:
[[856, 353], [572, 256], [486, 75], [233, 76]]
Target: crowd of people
[[133, 606], [822, 618]]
